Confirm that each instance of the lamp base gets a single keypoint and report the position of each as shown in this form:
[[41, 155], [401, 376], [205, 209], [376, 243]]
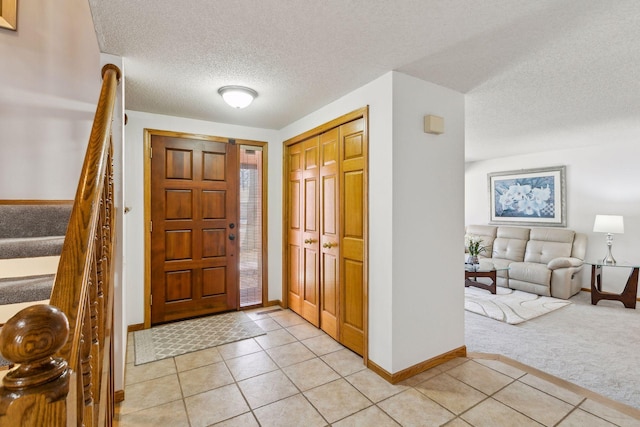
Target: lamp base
[[609, 259]]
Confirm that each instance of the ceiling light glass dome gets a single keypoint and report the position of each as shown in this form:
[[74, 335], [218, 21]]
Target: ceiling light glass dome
[[237, 96]]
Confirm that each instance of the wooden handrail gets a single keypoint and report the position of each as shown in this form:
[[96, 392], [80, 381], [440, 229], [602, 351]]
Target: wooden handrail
[[64, 350]]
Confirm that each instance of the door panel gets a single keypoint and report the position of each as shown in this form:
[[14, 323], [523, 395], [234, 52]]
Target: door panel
[[193, 202], [310, 303], [330, 236], [353, 220], [303, 257], [294, 233]]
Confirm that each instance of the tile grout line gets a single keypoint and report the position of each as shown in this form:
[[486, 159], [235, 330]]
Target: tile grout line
[[491, 395], [184, 400], [514, 380], [319, 357]]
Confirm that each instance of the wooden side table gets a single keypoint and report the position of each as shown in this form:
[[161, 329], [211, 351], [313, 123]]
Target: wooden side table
[[628, 296]]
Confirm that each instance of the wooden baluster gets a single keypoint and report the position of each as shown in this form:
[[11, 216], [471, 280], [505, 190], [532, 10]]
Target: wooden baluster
[[85, 363], [108, 219], [94, 303], [101, 268], [34, 393], [93, 296]]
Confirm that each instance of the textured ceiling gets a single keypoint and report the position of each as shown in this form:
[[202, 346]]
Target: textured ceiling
[[527, 67]]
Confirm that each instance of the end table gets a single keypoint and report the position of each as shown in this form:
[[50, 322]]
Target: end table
[[628, 296]]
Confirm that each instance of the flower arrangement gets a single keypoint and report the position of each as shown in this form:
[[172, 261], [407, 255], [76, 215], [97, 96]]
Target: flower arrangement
[[472, 242]]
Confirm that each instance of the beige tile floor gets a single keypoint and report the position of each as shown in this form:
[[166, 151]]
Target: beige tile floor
[[296, 375]]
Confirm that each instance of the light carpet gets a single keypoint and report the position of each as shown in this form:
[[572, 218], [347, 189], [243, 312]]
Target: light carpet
[[509, 305], [593, 346], [173, 339]]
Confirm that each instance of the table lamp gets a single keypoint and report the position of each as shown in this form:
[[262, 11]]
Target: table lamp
[[610, 224]]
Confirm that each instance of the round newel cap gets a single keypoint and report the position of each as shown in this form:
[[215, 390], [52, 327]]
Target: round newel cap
[[35, 333]]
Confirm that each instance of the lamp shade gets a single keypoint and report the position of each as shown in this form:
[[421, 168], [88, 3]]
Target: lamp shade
[[609, 224], [237, 96]]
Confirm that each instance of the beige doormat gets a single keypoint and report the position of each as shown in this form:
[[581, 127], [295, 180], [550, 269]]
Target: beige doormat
[[174, 339], [508, 305]]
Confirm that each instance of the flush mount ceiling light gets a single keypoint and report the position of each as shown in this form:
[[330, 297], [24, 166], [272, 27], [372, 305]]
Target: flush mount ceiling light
[[237, 96]]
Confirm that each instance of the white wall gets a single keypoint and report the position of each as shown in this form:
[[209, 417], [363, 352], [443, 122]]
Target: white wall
[[134, 197], [428, 218], [49, 86], [405, 321], [601, 179]]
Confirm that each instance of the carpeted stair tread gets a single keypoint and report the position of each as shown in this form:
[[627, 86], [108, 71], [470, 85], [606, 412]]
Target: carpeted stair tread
[[33, 230], [29, 247], [25, 289], [34, 220]]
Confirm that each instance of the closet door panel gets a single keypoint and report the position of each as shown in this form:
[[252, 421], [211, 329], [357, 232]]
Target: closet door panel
[[295, 269], [311, 233], [353, 224], [329, 231]]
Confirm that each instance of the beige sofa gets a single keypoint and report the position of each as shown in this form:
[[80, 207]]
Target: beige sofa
[[543, 261]]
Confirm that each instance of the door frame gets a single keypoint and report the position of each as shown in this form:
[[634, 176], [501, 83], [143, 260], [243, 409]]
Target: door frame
[[148, 133], [361, 113], [265, 261]]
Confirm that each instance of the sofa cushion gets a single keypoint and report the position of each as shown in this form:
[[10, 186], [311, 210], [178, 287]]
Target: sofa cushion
[[502, 266], [510, 243], [530, 272], [546, 244], [564, 262]]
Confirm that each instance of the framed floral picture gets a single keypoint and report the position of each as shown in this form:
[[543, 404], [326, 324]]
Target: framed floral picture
[[8, 14], [529, 197]]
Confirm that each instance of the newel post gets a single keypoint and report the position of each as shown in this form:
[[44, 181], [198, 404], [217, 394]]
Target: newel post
[[30, 339]]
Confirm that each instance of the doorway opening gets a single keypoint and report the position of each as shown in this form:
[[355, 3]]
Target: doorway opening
[[215, 184], [251, 226]]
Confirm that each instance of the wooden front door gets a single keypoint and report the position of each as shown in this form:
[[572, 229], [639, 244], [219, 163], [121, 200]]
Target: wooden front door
[[194, 187]]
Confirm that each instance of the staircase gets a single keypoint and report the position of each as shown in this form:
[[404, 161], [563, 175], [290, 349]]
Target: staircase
[[31, 238], [63, 350]]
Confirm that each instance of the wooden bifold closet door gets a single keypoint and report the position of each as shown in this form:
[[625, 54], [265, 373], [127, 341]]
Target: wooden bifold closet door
[[326, 231]]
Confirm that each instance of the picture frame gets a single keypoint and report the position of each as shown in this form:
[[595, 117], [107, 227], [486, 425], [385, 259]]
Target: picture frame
[[8, 14], [528, 197]]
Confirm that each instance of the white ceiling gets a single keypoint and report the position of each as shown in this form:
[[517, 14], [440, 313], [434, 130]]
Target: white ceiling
[[528, 67]]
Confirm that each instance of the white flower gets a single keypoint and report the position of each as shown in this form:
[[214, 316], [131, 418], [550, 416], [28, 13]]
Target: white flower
[[472, 243]]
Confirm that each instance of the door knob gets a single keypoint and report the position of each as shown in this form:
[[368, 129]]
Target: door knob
[[232, 237], [329, 245], [307, 241]]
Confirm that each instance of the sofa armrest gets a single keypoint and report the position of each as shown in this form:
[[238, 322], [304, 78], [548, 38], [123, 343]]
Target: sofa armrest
[[564, 262]]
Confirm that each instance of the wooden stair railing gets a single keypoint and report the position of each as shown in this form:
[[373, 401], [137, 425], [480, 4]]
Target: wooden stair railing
[[64, 350]]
